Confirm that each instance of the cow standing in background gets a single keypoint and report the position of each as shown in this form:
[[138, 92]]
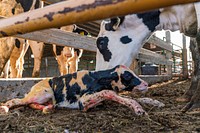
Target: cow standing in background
[[14, 48], [69, 57], [121, 39]]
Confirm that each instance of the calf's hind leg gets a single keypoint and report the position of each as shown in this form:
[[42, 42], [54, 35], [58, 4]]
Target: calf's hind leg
[[45, 108], [89, 101], [40, 93]]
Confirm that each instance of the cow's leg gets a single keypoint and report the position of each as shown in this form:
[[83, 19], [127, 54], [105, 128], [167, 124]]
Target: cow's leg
[[6, 48], [13, 62], [62, 65], [195, 91], [37, 50], [13, 70], [89, 101], [6, 70], [40, 93], [20, 60], [73, 64], [194, 82]]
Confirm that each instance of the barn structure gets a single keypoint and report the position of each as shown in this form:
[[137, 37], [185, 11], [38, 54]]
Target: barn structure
[[155, 52], [157, 55]]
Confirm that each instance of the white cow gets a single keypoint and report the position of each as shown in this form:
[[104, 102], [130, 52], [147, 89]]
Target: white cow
[[121, 38]]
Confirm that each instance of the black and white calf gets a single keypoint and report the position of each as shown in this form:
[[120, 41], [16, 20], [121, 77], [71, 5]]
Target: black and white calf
[[83, 90], [120, 39]]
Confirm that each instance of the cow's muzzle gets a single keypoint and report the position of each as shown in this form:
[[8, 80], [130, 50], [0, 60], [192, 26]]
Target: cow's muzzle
[[143, 87]]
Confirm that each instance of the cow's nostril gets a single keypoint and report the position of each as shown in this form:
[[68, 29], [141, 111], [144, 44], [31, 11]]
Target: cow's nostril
[[145, 84]]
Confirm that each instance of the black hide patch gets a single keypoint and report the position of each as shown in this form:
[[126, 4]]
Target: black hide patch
[[17, 43], [27, 4], [150, 19], [57, 86], [125, 39], [113, 21], [77, 51], [59, 49], [90, 83], [13, 10], [102, 45], [105, 77], [72, 91], [129, 80], [80, 30]]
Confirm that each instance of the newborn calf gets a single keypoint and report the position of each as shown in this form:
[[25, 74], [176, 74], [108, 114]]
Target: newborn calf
[[82, 90]]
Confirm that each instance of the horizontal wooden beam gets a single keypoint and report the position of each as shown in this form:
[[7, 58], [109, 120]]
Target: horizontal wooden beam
[[160, 43], [149, 56], [62, 38], [71, 11]]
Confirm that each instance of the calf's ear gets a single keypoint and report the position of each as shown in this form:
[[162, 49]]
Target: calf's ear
[[114, 23]]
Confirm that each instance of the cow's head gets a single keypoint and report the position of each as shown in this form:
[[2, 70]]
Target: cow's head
[[127, 80], [120, 39]]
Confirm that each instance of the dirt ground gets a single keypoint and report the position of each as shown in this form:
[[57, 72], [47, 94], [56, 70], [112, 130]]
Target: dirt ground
[[110, 116]]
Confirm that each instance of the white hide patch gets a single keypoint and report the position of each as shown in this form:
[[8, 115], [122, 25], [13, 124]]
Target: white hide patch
[[66, 104]]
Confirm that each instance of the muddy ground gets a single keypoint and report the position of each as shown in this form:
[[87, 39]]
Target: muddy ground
[[110, 117]]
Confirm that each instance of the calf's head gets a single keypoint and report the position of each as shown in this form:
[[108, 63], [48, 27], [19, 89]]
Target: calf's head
[[127, 80]]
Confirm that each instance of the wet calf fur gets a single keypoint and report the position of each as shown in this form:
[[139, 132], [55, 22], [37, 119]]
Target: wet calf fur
[[82, 90]]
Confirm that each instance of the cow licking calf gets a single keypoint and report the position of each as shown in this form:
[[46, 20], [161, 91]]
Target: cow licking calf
[[83, 90], [120, 40]]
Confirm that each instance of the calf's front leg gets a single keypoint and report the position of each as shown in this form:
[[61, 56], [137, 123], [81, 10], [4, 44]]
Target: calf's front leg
[[90, 100]]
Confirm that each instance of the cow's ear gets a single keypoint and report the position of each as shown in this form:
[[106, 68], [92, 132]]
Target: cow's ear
[[114, 23], [51, 83]]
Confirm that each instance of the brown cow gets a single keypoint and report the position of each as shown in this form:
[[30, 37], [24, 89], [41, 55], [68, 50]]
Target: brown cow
[[14, 48], [69, 57]]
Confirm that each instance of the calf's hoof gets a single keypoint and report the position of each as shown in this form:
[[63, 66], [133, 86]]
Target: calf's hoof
[[4, 109], [140, 112], [47, 109]]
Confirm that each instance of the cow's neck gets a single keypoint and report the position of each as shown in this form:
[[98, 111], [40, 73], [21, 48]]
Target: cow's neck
[[173, 18], [182, 17]]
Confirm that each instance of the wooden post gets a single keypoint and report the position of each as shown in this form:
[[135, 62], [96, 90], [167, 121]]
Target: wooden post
[[71, 11], [134, 66], [168, 53], [184, 59]]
